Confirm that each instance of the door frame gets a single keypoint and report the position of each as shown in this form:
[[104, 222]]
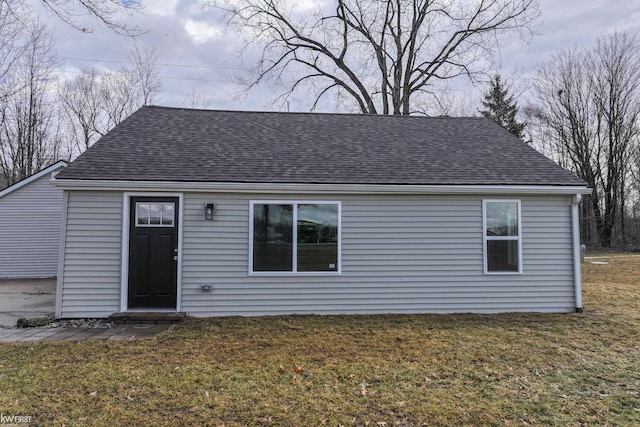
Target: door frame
[[126, 218]]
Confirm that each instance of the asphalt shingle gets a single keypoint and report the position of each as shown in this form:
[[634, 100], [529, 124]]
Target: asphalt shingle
[[175, 144]]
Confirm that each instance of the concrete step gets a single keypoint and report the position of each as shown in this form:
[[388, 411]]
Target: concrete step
[[132, 317]]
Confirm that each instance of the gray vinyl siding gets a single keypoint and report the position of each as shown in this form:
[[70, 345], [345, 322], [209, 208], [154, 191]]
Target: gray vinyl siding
[[92, 254], [400, 254], [30, 230]]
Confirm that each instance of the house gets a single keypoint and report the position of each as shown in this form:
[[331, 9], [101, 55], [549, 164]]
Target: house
[[30, 226], [219, 213]]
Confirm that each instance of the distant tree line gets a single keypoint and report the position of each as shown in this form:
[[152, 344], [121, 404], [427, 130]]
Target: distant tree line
[[585, 114], [46, 116]]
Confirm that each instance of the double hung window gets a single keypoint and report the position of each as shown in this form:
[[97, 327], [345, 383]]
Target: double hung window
[[502, 236]]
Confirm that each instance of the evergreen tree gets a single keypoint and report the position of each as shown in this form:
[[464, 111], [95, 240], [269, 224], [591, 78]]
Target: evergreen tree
[[502, 108]]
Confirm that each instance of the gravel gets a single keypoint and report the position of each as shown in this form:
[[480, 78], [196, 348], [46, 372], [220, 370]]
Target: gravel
[[78, 323]]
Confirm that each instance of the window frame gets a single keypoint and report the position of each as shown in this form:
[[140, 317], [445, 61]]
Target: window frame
[[486, 238], [142, 225], [294, 256]]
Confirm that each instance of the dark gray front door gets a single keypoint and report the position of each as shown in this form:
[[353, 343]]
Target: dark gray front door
[[153, 252]]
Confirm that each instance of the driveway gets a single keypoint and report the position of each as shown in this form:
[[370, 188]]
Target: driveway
[[26, 298]]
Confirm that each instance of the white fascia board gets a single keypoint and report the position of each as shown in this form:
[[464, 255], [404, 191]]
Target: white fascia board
[[280, 188], [54, 167]]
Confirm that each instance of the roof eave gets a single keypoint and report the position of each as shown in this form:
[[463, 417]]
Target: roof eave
[[49, 169], [280, 188]]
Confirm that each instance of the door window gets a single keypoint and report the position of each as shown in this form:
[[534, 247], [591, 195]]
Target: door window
[[154, 214]]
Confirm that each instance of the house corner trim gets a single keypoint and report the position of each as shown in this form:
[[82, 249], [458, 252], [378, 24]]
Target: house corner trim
[[577, 272], [61, 254]]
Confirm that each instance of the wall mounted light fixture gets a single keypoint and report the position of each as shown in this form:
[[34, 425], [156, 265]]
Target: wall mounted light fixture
[[208, 211]]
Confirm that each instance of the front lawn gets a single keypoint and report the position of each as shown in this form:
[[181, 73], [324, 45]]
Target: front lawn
[[508, 369]]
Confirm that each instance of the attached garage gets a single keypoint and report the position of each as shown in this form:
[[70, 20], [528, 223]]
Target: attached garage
[[30, 213]]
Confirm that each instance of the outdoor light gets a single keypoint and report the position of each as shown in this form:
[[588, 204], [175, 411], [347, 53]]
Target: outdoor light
[[208, 211]]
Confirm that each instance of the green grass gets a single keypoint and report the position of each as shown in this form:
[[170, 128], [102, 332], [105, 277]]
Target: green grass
[[507, 369]]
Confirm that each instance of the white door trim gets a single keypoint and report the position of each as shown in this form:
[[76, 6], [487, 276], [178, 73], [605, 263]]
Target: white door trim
[[124, 274]]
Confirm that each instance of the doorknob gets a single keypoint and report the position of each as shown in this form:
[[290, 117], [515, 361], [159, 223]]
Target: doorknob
[[175, 257]]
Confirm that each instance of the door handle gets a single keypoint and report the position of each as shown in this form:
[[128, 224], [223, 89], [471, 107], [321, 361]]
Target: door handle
[[175, 257]]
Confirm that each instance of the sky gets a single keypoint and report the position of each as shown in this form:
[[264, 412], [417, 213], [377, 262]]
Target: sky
[[198, 55]]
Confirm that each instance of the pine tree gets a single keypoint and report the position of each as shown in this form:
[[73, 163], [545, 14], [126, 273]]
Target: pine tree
[[502, 108]]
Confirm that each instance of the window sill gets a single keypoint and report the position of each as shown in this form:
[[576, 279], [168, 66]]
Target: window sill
[[503, 273], [294, 273]]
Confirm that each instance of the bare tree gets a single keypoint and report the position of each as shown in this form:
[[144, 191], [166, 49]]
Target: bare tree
[[106, 12], [382, 56], [143, 65], [588, 102], [80, 102], [449, 101], [194, 99], [13, 24], [131, 87], [118, 97], [616, 95], [561, 118], [29, 131], [94, 102]]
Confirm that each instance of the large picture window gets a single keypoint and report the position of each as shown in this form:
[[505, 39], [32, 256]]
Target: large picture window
[[502, 236], [295, 237]]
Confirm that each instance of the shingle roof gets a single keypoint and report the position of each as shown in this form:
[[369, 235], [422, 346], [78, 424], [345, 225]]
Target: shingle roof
[[174, 144]]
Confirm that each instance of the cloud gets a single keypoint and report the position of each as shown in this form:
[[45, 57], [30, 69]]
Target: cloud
[[201, 31], [569, 24], [186, 33], [162, 8], [304, 5]]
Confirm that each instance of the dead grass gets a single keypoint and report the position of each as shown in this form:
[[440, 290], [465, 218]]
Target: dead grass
[[507, 369]]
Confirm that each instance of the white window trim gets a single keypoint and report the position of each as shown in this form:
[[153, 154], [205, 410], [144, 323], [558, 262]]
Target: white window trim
[[294, 260], [124, 272], [485, 237]]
